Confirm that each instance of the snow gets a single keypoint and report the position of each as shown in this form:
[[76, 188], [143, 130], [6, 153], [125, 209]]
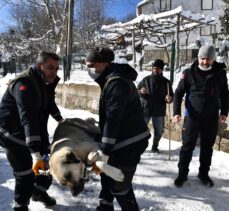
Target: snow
[[153, 181]]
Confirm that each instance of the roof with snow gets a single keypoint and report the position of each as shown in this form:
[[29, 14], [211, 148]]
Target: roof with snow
[[162, 23]]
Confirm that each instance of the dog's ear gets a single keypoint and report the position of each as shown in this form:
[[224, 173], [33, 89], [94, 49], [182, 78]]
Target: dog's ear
[[71, 158]]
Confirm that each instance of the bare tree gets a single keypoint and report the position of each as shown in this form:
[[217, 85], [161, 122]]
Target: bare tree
[[89, 19], [41, 22]]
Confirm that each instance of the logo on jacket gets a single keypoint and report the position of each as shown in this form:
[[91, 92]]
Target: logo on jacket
[[22, 88]]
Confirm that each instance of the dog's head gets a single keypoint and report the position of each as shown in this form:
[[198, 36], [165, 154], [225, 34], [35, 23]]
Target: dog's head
[[68, 170]]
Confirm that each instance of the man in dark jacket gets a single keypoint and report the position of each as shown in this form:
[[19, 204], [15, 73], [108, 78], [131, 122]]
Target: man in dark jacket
[[206, 89], [24, 111], [155, 91], [123, 129]]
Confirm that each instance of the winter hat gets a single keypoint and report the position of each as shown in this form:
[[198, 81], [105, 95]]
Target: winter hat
[[100, 55], [207, 51], [159, 63]]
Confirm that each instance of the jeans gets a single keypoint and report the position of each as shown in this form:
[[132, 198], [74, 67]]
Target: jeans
[[158, 126]]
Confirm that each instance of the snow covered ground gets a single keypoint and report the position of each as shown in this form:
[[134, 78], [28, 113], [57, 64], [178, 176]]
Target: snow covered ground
[[153, 182]]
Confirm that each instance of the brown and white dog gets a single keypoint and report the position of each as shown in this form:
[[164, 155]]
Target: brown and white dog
[[72, 150]]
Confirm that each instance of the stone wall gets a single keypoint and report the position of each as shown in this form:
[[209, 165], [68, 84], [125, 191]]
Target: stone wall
[[174, 131], [86, 97], [78, 96]]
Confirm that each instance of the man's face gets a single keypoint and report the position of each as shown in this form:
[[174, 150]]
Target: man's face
[[98, 67], [205, 62], [156, 70], [50, 68]]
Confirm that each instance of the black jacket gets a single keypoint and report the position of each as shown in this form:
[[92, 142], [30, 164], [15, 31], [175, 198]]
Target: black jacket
[[121, 115], [206, 92], [154, 103], [24, 112]]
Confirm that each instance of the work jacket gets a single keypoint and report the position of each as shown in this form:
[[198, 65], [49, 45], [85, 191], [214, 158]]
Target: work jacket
[[121, 116], [154, 103], [24, 111], [206, 92]]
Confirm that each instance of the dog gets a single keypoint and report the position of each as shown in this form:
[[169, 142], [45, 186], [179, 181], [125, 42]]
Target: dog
[[74, 149]]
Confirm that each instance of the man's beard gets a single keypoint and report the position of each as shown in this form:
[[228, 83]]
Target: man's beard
[[205, 68]]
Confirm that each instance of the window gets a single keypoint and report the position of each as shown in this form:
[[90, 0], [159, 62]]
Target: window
[[206, 4], [207, 30], [165, 5]]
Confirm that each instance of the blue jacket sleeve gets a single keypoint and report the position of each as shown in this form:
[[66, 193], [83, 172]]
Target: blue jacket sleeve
[[224, 95]]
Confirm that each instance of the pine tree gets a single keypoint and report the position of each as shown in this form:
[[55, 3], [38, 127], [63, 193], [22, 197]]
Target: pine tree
[[225, 19]]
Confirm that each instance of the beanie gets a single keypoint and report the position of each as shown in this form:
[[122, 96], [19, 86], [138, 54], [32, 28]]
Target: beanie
[[207, 51], [100, 55], [159, 63]]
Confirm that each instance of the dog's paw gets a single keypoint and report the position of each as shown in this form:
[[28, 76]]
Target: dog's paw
[[92, 157], [110, 171]]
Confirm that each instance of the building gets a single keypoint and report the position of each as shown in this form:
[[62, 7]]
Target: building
[[207, 7]]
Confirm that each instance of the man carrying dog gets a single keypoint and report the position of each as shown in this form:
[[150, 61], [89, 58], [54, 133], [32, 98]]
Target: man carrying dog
[[123, 129], [24, 112]]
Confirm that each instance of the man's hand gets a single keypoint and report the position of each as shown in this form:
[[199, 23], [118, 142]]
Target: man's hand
[[176, 119], [168, 99], [103, 157], [96, 156], [37, 163], [144, 91], [99, 164]]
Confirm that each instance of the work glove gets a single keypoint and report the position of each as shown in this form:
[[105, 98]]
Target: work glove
[[37, 163], [101, 167], [96, 156], [102, 157], [99, 160]]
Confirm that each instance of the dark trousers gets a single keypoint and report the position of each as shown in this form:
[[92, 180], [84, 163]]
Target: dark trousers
[[126, 160], [25, 181], [206, 130]]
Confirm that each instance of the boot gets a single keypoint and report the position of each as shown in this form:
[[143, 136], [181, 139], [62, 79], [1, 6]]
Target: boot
[[42, 196], [205, 179], [179, 181], [128, 202], [155, 150], [21, 208], [103, 207]]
